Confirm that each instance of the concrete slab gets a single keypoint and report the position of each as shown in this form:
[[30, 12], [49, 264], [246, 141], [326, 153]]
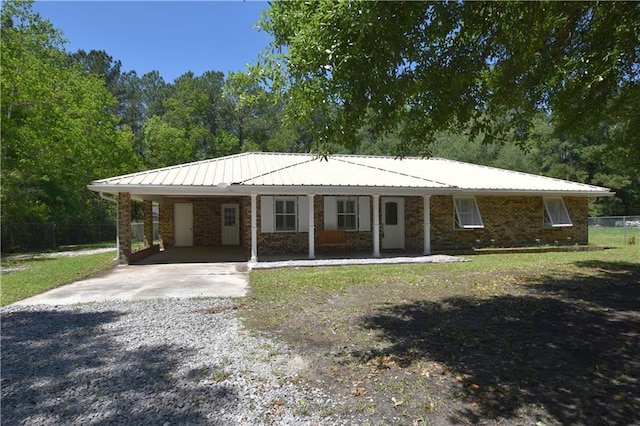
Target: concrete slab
[[397, 260], [156, 281]]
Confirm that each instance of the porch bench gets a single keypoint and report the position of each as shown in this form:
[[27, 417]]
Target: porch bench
[[333, 238]]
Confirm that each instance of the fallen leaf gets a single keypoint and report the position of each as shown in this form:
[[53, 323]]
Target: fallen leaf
[[359, 391], [397, 403]]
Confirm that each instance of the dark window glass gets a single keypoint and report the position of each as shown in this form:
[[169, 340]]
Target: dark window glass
[[391, 213]]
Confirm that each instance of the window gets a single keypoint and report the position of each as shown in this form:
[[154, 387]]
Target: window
[[390, 213], [229, 216], [346, 213], [467, 213], [555, 213], [285, 214]]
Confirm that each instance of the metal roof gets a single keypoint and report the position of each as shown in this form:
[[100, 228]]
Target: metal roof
[[262, 172]]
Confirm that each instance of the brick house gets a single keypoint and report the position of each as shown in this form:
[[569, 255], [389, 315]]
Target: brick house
[[282, 204]]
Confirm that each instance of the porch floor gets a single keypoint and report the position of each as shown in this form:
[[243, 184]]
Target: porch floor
[[268, 262], [236, 254]]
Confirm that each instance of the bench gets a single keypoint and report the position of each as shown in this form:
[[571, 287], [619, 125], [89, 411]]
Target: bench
[[332, 238]]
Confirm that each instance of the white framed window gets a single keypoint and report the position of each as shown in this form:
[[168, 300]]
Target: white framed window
[[555, 213], [285, 214], [467, 214], [347, 213]]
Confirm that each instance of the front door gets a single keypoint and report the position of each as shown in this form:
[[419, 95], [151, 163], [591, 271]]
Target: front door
[[392, 223], [230, 229], [183, 224]]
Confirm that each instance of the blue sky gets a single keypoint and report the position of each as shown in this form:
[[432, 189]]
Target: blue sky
[[170, 37]]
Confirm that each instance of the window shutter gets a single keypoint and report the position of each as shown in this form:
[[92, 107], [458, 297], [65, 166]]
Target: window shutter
[[303, 214], [266, 213], [364, 214], [330, 213]]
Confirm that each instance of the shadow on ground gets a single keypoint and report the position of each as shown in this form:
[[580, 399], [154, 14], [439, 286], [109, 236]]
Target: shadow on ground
[[65, 367], [568, 346]]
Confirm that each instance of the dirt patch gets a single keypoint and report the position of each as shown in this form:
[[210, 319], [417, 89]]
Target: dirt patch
[[516, 347]]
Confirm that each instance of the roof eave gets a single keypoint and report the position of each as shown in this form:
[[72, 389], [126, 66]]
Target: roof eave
[[540, 192]]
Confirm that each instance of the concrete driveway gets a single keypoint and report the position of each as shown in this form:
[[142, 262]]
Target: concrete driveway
[[154, 281]]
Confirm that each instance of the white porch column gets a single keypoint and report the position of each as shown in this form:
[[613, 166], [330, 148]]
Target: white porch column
[[312, 228], [376, 226], [427, 223], [254, 228]]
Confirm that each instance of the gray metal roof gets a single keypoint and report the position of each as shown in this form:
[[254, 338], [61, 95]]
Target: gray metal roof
[[263, 172]]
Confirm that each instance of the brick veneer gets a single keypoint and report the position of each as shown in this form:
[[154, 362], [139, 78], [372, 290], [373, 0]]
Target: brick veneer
[[124, 227], [508, 221], [298, 242], [207, 221]]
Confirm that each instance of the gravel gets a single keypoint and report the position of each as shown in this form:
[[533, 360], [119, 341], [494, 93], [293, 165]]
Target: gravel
[[160, 362]]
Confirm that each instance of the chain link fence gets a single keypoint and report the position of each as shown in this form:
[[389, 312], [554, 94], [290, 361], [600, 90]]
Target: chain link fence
[[20, 237], [137, 232], [615, 230], [17, 237]]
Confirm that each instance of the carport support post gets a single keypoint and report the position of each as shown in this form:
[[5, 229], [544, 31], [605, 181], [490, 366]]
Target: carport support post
[[254, 228], [312, 228], [427, 223], [376, 226], [148, 223], [124, 227]]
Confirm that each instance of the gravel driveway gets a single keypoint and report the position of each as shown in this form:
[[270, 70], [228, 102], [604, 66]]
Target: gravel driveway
[[160, 362]]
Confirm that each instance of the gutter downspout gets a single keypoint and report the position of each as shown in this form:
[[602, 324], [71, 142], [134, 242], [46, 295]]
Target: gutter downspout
[[114, 200]]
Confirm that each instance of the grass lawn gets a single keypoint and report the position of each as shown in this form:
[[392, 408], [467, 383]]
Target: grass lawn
[[35, 275], [550, 338]]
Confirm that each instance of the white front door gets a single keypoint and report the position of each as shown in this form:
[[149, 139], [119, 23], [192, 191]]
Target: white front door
[[183, 224], [230, 227], [392, 223]]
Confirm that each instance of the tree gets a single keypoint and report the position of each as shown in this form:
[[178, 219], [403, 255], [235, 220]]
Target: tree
[[167, 145], [254, 112], [481, 67], [58, 133]]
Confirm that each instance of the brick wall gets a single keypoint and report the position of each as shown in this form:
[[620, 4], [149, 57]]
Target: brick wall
[[508, 221], [298, 242], [413, 224], [207, 221], [124, 227]]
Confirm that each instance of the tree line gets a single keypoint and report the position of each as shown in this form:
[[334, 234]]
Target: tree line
[[72, 117]]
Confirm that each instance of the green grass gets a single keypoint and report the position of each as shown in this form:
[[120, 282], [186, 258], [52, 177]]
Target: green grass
[[44, 273], [613, 237], [490, 338]]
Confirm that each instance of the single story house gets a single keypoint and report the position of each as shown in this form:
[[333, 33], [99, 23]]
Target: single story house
[[280, 204]]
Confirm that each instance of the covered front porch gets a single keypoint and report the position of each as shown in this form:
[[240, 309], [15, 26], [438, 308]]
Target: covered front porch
[[385, 226]]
